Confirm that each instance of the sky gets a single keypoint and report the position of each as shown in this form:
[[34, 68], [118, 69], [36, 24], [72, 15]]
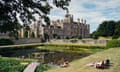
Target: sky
[[94, 11]]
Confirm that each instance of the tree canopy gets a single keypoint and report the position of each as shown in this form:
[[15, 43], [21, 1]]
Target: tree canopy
[[9, 9], [108, 28]]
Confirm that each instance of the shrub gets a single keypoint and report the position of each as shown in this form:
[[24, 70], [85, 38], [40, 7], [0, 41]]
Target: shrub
[[73, 40], [80, 37], [42, 68], [11, 65], [113, 43], [67, 38], [115, 37], [6, 42]]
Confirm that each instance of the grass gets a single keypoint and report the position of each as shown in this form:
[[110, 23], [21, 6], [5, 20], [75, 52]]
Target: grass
[[21, 45], [18, 65], [72, 48], [80, 65], [75, 45], [11, 65], [69, 47], [42, 68], [51, 44]]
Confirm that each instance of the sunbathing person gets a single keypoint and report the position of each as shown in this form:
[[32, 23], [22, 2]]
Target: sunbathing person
[[65, 64], [107, 62], [92, 64], [101, 64]]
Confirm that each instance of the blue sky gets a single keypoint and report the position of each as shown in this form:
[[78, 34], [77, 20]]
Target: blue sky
[[94, 11]]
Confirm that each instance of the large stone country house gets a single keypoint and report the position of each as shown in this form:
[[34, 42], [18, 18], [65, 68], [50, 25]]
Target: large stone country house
[[62, 29], [67, 28]]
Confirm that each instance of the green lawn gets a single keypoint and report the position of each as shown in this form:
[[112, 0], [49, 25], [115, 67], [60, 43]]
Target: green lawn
[[80, 65], [11, 65], [18, 65], [21, 45], [72, 48]]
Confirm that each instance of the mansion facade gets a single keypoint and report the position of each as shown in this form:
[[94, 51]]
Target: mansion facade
[[32, 31], [67, 28], [61, 29]]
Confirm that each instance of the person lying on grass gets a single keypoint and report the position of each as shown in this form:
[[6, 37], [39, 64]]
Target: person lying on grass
[[65, 64], [101, 64]]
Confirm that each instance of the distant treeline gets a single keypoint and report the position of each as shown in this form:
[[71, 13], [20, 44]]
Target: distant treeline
[[107, 28]]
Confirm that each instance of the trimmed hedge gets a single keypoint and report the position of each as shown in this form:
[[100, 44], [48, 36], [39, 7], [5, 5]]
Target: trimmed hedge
[[75, 46], [113, 43], [4, 41]]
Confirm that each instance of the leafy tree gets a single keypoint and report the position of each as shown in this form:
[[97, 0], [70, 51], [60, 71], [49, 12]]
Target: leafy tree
[[106, 28], [94, 35], [13, 32], [117, 30], [6, 42], [9, 9]]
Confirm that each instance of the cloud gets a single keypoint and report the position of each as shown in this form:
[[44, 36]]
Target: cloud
[[94, 11]]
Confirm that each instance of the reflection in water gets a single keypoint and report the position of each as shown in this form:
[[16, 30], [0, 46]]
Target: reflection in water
[[55, 56], [44, 56]]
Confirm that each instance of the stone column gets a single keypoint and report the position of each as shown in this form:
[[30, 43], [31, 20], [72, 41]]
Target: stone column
[[28, 34], [21, 33]]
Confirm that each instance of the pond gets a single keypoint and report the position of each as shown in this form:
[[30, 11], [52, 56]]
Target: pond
[[44, 56]]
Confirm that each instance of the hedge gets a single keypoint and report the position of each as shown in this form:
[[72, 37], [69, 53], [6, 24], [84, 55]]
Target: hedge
[[4, 41], [113, 43], [74, 46]]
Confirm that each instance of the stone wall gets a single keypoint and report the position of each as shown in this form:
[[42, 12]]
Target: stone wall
[[25, 41], [91, 42]]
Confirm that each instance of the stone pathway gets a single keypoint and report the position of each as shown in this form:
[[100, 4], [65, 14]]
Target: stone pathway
[[31, 67]]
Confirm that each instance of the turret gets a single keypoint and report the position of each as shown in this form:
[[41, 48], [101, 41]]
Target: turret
[[84, 21], [78, 20], [68, 17]]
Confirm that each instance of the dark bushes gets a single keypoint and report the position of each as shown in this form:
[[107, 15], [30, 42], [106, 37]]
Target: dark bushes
[[73, 40], [113, 43], [6, 42], [42, 68]]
